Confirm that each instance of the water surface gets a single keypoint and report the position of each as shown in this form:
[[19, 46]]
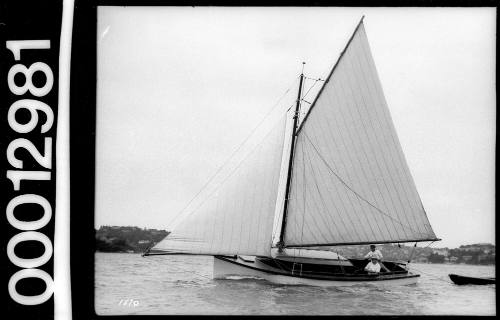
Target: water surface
[[184, 285]]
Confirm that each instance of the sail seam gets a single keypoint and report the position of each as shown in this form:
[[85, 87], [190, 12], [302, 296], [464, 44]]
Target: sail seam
[[294, 192], [371, 138], [342, 201], [260, 209], [313, 234], [358, 149], [362, 60], [322, 201], [333, 202], [352, 190], [406, 179], [303, 192], [334, 99]]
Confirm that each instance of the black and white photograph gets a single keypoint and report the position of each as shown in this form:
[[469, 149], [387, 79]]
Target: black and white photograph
[[247, 159], [295, 161]]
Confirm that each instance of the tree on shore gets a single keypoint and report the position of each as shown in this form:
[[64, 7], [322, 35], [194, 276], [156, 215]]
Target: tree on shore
[[125, 239]]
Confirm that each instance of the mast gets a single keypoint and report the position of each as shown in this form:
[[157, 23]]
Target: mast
[[281, 243]]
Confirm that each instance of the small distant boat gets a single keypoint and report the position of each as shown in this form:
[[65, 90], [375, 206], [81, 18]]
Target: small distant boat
[[470, 280]]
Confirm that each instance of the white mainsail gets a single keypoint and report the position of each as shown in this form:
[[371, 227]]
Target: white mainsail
[[238, 217], [350, 180]]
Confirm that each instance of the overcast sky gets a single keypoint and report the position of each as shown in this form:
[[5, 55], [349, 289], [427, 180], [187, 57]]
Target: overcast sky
[[179, 89]]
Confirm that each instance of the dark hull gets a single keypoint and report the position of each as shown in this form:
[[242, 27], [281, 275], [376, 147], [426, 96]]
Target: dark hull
[[460, 280]]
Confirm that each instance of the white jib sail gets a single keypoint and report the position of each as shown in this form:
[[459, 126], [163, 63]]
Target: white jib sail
[[237, 218], [350, 181]]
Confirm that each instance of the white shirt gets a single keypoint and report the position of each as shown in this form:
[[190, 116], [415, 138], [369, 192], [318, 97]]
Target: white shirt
[[375, 253], [371, 267]]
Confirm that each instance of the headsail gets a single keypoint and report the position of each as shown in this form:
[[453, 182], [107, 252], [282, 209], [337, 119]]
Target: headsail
[[237, 218], [350, 181]]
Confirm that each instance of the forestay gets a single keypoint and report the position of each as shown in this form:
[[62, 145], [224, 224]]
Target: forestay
[[350, 181], [238, 217]]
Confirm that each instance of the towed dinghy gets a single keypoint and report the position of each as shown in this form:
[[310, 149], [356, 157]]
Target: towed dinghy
[[461, 280]]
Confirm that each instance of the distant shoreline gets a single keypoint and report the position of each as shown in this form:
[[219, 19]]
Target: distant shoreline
[[433, 263], [130, 239], [127, 239]]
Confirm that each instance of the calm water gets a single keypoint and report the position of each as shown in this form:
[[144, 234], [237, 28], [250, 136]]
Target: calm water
[[183, 285]]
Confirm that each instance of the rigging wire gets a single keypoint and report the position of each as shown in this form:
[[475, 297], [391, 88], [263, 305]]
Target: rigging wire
[[411, 255], [232, 154], [412, 252], [305, 95], [353, 191], [429, 244], [315, 82], [413, 268], [301, 113], [319, 79], [229, 175]]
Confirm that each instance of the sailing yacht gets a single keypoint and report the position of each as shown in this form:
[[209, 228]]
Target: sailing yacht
[[338, 177]]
